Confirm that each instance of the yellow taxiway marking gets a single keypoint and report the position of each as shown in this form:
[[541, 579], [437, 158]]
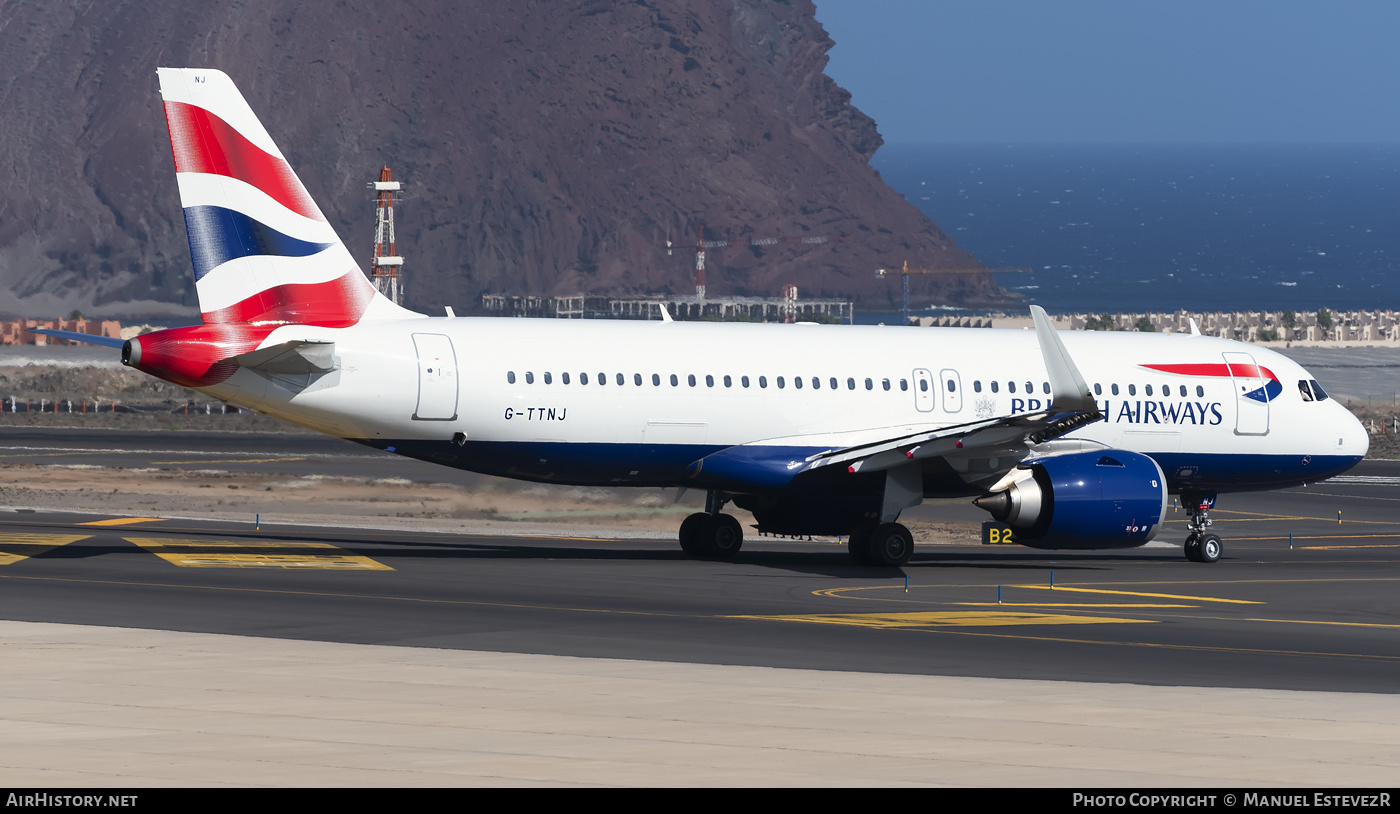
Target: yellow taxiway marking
[[254, 554], [1139, 593], [15, 547], [926, 619], [1066, 605], [231, 461], [123, 521]]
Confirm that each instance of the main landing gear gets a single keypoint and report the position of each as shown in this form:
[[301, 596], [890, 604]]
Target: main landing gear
[[1201, 546], [711, 534], [883, 544]]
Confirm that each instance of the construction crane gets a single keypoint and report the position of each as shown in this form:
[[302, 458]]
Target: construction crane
[[701, 244], [906, 271]]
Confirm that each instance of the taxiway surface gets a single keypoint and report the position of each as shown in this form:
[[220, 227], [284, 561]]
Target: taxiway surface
[[153, 650]]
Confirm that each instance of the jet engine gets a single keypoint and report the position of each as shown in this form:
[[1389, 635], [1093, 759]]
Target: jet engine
[[1098, 499]]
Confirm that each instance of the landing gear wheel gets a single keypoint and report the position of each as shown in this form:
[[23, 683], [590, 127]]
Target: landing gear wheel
[[1209, 548], [859, 544], [692, 533], [1193, 548], [890, 545], [723, 536]]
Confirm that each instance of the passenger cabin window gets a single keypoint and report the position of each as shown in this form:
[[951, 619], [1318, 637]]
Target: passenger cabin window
[[781, 383], [763, 381], [870, 385], [602, 378], [923, 385], [637, 379], [621, 380], [1098, 389], [583, 378], [564, 377], [690, 379], [835, 385], [709, 380], [728, 382], [886, 383], [1045, 388], [952, 388], [995, 387], [510, 376], [744, 380], [904, 384], [529, 377], [1011, 387], [1132, 390], [674, 381], [850, 384], [548, 378], [797, 382], [1200, 391], [1148, 389], [655, 380]]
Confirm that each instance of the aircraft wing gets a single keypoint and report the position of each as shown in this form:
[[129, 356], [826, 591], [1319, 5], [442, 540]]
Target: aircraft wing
[[775, 463], [1006, 439]]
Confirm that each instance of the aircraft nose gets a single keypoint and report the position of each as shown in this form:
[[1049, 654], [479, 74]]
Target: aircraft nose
[[1350, 434]]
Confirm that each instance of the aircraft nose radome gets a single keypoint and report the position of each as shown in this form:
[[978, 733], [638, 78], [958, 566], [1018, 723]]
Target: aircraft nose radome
[[1353, 439]]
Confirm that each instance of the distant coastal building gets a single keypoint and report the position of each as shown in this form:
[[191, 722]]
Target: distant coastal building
[[1335, 328], [19, 331], [787, 308]]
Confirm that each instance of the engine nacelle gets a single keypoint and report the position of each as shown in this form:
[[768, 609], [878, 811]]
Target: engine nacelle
[[1111, 498]]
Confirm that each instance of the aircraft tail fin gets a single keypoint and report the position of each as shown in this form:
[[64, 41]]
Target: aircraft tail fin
[[262, 250]]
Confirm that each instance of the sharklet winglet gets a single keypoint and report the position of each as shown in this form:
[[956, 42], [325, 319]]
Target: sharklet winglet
[[1067, 386]]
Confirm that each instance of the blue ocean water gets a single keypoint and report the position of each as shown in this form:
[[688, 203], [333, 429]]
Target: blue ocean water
[[1165, 227]]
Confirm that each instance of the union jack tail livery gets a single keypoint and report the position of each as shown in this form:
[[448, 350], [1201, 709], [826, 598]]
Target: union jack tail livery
[[263, 253]]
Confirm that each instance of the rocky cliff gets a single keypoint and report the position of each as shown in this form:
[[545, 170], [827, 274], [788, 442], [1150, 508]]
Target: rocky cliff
[[547, 147]]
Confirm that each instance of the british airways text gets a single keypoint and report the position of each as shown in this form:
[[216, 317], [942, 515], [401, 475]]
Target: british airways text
[[1205, 413]]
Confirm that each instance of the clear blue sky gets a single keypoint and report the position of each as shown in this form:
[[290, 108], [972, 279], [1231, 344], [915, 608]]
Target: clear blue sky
[[1120, 70]]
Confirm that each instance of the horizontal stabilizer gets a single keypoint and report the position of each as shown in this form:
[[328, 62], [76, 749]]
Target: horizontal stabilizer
[[74, 336], [297, 356]]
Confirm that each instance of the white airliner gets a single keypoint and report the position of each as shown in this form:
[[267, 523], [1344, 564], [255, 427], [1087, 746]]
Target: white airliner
[[1073, 440]]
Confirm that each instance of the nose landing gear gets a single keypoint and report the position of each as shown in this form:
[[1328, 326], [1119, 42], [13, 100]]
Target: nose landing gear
[[1201, 546]]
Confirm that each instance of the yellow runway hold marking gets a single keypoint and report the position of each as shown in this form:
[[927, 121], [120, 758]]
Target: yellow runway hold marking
[[1138, 593], [927, 619], [255, 554], [15, 547], [123, 521]]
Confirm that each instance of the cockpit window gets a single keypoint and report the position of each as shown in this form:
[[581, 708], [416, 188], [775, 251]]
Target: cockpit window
[[1304, 391], [1318, 392]]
